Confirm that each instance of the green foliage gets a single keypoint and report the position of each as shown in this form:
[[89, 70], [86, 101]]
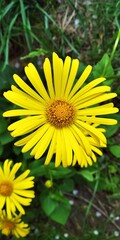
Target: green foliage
[[115, 150], [33, 29], [56, 206]]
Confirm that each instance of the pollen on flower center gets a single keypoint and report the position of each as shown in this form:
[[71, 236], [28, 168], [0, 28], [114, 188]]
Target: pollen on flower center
[[60, 114], [9, 225], [6, 188]]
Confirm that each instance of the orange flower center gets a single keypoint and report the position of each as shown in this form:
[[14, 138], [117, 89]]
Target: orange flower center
[[60, 114], [9, 225], [6, 188]]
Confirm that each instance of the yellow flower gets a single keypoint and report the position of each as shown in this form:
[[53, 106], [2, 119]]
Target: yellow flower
[[13, 225], [14, 192], [63, 115]]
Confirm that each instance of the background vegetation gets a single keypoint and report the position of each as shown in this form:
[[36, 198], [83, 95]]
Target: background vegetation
[[81, 204]]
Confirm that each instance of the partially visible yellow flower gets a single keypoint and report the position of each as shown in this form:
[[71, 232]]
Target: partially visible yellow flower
[[13, 225], [62, 116], [48, 184], [14, 192]]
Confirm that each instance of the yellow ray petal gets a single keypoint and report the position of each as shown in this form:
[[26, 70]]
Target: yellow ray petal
[[24, 193], [48, 76], [42, 145], [14, 170], [28, 126], [36, 138], [66, 161], [24, 140], [22, 101], [92, 131], [68, 147], [87, 88], [8, 207], [20, 123], [72, 75], [93, 93], [2, 201], [77, 149], [82, 139], [97, 150], [24, 184], [51, 149], [92, 119], [6, 168], [22, 176], [36, 81], [57, 74], [66, 70], [80, 81], [97, 111], [18, 205], [96, 100], [58, 150], [26, 88], [21, 200], [22, 112]]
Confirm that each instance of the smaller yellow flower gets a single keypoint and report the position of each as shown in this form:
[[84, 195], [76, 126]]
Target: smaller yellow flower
[[48, 184], [14, 192], [13, 225]]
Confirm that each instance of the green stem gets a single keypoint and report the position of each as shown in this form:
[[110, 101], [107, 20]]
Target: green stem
[[113, 52], [115, 45]]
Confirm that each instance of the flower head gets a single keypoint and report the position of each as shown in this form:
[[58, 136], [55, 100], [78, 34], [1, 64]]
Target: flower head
[[13, 225], [48, 183], [14, 192], [62, 117]]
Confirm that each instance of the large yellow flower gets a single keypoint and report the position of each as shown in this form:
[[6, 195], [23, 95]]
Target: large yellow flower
[[13, 225], [63, 115], [14, 192]]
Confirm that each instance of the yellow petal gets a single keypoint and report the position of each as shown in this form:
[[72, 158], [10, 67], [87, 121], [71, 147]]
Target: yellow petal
[[66, 70], [36, 81], [57, 74], [42, 145], [72, 75], [51, 149], [36, 138], [48, 76], [80, 81], [26, 88]]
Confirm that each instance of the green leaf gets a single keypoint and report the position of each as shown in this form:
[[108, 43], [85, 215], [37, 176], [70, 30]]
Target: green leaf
[[6, 77], [115, 150], [61, 172], [103, 68], [38, 52], [56, 206], [67, 186], [48, 204], [61, 213], [111, 130], [3, 124], [37, 168], [6, 138], [87, 175]]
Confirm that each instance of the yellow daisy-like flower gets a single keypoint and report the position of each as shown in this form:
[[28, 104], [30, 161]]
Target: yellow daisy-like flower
[[62, 116], [13, 225], [14, 192]]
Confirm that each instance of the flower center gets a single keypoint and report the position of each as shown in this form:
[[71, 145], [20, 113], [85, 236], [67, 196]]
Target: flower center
[[8, 224], [60, 114], [6, 188], [8, 227]]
